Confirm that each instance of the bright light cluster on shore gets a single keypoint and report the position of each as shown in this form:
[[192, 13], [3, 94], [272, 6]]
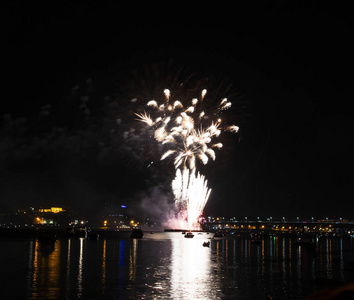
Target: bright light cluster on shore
[[188, 133]]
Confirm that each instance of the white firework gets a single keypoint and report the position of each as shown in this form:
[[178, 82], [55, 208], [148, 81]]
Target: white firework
[[191, 194], [188, 133]]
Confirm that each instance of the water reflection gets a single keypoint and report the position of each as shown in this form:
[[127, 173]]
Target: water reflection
[[190, 270], [46, 270], [68, 265], [80, 269], [132, 260], [171, 267], [104, 265]]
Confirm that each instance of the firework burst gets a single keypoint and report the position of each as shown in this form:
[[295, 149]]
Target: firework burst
[[188, 132]]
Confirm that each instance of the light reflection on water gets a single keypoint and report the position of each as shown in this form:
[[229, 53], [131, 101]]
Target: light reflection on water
[[79, 276], [46, 268], [190, 274], [104, 265], [168, 266]]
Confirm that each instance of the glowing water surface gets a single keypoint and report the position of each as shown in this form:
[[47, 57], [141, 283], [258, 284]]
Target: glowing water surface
[[168, 266]]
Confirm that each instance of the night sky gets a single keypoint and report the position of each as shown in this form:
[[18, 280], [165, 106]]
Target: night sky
[[72, 68]]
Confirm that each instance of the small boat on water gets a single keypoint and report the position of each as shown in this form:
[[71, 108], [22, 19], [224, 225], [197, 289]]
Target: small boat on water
[[80, 231], [93, 235], [218, 234], [206, 244], [256, 241], [305, 241], [47, 236], [137, 233], [189, 235], [306, 244]]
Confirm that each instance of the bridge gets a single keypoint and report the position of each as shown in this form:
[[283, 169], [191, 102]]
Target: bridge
[[330, 227]]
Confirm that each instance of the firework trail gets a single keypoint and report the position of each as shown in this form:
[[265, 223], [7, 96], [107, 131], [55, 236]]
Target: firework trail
[[188, 132], [191, 193]]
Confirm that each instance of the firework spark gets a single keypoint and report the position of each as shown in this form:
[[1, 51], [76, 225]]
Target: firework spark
[[191, 194], [188, 133]]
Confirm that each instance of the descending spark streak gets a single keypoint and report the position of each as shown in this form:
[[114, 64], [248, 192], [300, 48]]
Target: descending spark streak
[[188, 132], [197, 198], [191, 193]]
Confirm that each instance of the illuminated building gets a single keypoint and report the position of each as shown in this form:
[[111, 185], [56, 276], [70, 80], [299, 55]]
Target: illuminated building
[[48, 216], [54, 210]]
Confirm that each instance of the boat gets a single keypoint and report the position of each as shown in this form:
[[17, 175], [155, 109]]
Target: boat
[[256, 241], [80, 232], [47, 236], [189, 235], [307, 244], [137, 233], [206, 244], [218, 234], [93, 235]]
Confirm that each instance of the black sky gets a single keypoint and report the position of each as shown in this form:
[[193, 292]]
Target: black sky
[[292, 61]]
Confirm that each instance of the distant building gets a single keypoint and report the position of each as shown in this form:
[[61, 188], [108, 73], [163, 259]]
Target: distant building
[[50, 216], [54, 210]]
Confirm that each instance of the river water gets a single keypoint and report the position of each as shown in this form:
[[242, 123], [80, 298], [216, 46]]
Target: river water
[[166, 265]]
